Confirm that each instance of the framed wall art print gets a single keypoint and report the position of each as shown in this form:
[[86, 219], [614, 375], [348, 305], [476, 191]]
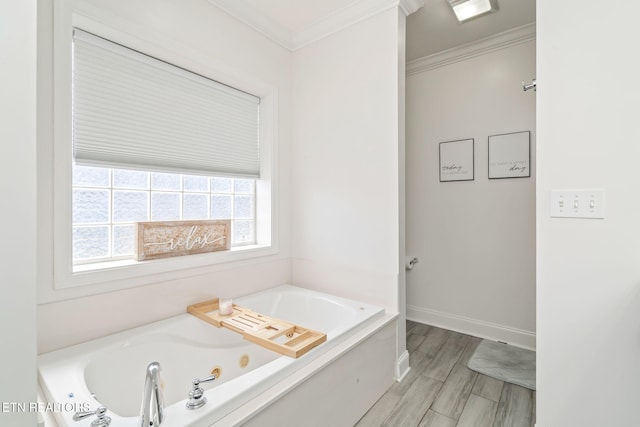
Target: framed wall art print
[[456, 160], [509, 155]]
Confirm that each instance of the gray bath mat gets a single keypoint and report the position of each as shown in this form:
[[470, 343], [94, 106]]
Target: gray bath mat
[[505, 362]]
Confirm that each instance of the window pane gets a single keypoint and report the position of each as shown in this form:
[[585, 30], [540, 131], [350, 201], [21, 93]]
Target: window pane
[[123, 239], [85, 176], [165, 206], [195, 206], [165, 181], [195, 183], [244, 186], [220, 207], [130, 206], [135, 180], [90, 206], [103, 216], [242, 232], [243, 207], [90, 242], [221, 185]]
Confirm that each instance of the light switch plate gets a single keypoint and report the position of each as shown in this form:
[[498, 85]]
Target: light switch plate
[[577, 204]]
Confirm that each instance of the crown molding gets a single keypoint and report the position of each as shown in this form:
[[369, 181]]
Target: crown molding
[[256, 20], [411, 6], [340, 19], [320, 28], [489, 44]]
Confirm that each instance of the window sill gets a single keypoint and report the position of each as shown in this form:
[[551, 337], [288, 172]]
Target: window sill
[[105, 265], [128, 273]]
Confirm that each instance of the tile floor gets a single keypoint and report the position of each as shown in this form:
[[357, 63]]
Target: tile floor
[[440, 391]]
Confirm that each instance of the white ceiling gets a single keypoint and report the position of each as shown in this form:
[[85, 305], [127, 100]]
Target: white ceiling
[[432, 29], [297, 14]]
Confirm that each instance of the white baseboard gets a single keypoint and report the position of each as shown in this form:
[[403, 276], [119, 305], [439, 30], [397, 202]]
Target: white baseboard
[[402, 366], [475, 327]]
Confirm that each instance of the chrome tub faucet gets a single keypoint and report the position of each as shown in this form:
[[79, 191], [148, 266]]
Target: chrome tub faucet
[[151, 409]]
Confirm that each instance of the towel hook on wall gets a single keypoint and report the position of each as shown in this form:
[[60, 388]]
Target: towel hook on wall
[[527, 86]]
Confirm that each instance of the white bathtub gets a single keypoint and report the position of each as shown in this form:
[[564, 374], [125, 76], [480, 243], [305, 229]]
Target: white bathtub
[[113, 368]]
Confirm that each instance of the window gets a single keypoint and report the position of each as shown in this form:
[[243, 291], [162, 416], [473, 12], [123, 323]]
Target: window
[[107, 202], [124, 152], [134, 111]]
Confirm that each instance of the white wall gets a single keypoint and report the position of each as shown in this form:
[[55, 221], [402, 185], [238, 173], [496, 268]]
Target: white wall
[[18, 189], [338, 161], [475, 239], [345, 162], [204, 34], [588, 272]]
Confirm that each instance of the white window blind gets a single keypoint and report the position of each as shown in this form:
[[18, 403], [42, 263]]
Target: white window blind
[[134, 111]]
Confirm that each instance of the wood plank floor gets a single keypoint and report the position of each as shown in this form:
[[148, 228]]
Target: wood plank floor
[[440, 391]]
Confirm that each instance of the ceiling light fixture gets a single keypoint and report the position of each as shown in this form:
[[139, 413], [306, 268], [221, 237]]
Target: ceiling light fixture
[[467, 9]]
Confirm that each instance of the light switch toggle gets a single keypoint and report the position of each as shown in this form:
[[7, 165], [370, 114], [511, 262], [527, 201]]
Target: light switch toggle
[[577, 204]]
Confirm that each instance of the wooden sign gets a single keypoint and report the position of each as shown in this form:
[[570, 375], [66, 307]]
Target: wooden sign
[[177, 238]]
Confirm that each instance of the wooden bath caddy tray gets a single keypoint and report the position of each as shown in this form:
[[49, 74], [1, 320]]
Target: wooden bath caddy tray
[[274, 334]]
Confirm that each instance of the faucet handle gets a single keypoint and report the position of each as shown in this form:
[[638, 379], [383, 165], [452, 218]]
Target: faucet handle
[[197, 381], [102, 421], [196, 394]]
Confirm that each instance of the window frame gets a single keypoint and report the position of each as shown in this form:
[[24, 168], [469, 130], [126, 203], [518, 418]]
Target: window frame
[[128, 273]]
